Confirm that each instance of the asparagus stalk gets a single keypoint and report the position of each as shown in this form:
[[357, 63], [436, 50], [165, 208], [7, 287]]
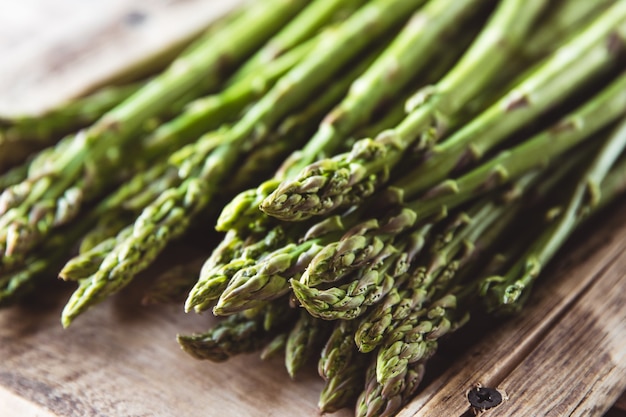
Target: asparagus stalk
[[289, 134], [358, 247], [536, 152], [13, 176], [145, 187], [237, 335], [350, 300], [317, 15], [559, 22], [508, 292], [267, 279], [373, 282], [157, 180], [410, 52], [243, 208], [338, 352], [241, 333], [302, 342], [348, 178], [23, 277], [342, 389], [384, 400], [210, 112]]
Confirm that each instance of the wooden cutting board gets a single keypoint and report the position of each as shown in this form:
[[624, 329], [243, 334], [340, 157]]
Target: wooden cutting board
[[565, 355]]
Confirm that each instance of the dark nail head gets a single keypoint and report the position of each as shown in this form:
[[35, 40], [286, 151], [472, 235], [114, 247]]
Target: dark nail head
[[483, 398]]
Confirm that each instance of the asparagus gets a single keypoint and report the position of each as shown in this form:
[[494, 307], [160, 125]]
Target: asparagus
[[588, 55], [157, 180], [268, 279], [536, 152], [225, 260], [238, 334], [360, 246], [34, 206], [348, 178], [264, 280], [410, 52], [385, 400], [242, 209], [23, 277], [302, 342], [563, 18], [389, 268], [350, 300], [169, 216], [338, 352], [13, 176], [342, 389], [508, 292], [275, 347], [241, 333], [210, 112], [317, 15]]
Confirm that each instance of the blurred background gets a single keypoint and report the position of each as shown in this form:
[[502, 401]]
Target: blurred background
[[54, 50]]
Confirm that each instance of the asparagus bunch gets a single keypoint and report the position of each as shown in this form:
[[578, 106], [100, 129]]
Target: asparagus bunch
[[362, 254], [349, 178], [408, 55]]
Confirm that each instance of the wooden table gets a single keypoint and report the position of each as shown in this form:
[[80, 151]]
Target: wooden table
[[565, 355]]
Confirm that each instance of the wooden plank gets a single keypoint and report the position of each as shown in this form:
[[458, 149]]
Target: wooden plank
[[45, 62], [122, 359], [587, 350], [500, 352]]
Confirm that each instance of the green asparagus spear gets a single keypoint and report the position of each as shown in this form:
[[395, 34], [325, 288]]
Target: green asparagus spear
[[507, 293], [303, 341], [338, 352], [585, 57], [241, 333], [536, 152], [210, 112], [350, 300], [225, 260], [318, 14], [342, 389], [237, 334], [384, 400]]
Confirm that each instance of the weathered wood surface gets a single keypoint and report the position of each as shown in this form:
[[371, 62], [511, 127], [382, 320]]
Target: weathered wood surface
[[52, 50], [566, 355]]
